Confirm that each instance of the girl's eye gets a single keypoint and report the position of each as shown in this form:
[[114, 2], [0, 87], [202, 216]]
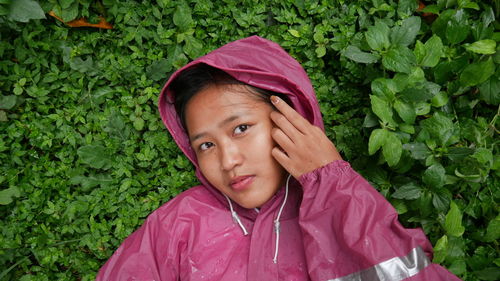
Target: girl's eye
[[240, 129], [205, 145]]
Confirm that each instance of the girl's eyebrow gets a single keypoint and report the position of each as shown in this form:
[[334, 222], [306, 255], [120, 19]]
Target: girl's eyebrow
[[220, 125]]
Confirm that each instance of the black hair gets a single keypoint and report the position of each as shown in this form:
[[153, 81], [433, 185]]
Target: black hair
[[199, 77]]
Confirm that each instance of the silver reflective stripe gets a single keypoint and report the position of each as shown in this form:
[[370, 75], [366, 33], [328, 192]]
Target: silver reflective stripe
[[395, 269]]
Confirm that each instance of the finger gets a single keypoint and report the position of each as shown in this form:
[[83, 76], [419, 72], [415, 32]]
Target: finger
[[286, 126], [293, 116], [282, 140], [283, 160]]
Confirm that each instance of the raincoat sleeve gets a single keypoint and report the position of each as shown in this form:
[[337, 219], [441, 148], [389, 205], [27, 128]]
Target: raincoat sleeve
[[150, 253], [352, 233]]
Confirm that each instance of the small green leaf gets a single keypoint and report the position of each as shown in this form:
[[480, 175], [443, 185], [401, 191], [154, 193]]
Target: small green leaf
[[408, 191], [70, 13], [440, 99], [193, 47], [377, 36], [25, 10], [385, 88], [392, 149], [320, 51], [406, 33], [7, 102], [434, 176], [382, 109], [484, 47], [139, 123], [477, 73], [158, 70], [294, 33], [453, 221], [399, 59], [377, 139], [406, 7], [489, 273], [406, 111], [432, 52], [355, 54]]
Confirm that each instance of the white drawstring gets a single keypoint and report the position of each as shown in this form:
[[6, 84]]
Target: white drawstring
[[235, 216], [277, 222]]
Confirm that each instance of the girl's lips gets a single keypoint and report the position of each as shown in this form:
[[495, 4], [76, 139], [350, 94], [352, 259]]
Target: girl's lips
[[241, 183]]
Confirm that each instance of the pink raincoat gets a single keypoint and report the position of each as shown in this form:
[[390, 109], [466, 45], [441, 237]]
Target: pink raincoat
[[330, 224]]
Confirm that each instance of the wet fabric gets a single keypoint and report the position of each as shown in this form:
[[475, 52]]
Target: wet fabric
[[334, 225]]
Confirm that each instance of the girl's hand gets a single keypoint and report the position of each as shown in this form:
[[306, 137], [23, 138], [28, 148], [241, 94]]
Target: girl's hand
[[303, 147]]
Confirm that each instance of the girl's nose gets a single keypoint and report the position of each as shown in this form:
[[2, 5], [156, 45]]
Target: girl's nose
[[231, 156]]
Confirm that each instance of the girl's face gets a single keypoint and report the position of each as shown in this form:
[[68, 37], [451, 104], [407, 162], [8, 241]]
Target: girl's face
[[230, 132]]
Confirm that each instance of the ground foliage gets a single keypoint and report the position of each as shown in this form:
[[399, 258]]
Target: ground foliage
[[412, 101]]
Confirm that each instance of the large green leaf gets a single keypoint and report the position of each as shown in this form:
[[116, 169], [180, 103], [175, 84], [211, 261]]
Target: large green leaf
[[489, 91], [457, 27], [382, 109], [377, 139], [408, 191], [434, 176], [406, 111], [377, 36], [477, 73], [392, 149], [355, 54], [7, 195], [399, 59], [484, 47], [25, 10], [453, 222], [7, 102], [182, 17], [428, 54], [406, 33]]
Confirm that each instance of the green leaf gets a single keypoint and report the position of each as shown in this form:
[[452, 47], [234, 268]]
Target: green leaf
[[406, 7], [440, 99], [441, 128], [477, 73], [158, 70], [377, 139], [484, 47], [429, 53], [377, 36], [399, 59], [406, 111], [7, 195], [408, 191], [70, 13], [65, 3], [417, 150], [458, 153], [355, 54], [320, 51], [406, 33], [493, 230], [489, 273], [92, 180], [483, 155], [96, 156], [294, 33], [382, 109], [139, 123], [392, 149], [7, 102], [434, 176], [457, 28], [453, 221], [441, 199], [440, 250], [193, 47], [385, 88], [25, 10], [489, 91], [182, 17]]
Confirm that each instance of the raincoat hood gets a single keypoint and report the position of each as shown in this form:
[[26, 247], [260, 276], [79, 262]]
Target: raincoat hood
[[257, 62]]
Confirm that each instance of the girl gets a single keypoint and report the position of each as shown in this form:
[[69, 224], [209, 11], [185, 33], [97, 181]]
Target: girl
[[276, 201]]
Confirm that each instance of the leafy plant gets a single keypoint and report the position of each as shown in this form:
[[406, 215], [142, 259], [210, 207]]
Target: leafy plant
[[410, 97]]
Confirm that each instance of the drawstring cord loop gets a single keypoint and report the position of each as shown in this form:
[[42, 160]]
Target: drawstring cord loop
[[277, 221]]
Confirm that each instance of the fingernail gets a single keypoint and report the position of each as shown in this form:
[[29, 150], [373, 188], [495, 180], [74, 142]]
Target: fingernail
[[275, 99]]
